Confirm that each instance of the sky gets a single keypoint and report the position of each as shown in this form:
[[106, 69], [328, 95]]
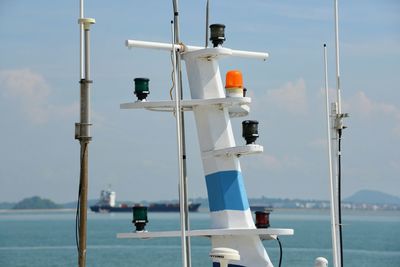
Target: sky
[[135, 151]]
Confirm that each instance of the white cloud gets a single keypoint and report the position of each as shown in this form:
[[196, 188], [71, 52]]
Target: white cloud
[[29, 89], [362, 105], [31, 93], [263, 162], [291, 97], [293, 162], [65, 111], [270, 161], [365, 106]]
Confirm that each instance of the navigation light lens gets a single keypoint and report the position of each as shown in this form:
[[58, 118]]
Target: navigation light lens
[[217, 35], [250, 131], [262, 219], [140, 218], [141, 88]]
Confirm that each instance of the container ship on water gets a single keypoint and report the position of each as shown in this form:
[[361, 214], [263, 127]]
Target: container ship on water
[[107, 204]]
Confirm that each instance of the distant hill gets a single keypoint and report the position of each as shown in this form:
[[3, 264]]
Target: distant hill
[[6, 205], [372, 197], [36, 203], [356, 201]]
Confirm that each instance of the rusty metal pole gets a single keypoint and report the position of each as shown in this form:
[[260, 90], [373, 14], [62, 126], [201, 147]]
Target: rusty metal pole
[[82, 133], [83, 204]]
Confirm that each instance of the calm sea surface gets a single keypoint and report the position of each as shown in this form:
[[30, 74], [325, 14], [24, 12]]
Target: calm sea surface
[[44, 239]]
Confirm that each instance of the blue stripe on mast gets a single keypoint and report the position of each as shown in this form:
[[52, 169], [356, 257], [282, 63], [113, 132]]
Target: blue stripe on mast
[[226, 191]]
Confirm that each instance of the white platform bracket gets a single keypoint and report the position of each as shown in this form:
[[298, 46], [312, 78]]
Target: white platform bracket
[[237, 106], [265, 234], [234, 151]]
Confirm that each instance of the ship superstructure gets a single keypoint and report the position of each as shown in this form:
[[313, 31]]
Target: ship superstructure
[[236, 239], [234, 235], [107, 204]]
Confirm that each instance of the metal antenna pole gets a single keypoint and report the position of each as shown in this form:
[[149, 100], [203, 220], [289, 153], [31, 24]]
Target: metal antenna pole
[[331, 180], [339, 116], [82, 133], [207, 21], [337, 58], [179, 143], [81, 12], [182, 129]]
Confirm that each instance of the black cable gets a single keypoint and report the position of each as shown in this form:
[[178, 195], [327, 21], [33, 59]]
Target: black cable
[[340, 193], [280, 251], [78, 204]]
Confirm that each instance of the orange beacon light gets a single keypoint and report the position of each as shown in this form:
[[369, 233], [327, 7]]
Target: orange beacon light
[[234, 84]]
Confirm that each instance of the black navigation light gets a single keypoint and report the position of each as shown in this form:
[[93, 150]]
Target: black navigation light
[[141, 88], [250, 131], [262, 219], [217, 35], [140, 218]]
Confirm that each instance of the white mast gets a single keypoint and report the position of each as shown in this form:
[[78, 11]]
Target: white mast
[[182, 203], [81, 40], [339, 102], [82, 133], [338, 128], [333, 198], [207, 21], [182, 158]]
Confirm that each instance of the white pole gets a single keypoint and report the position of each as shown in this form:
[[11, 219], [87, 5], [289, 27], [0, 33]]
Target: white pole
[[83, 135], [337, 58], [178, 81], [335, 151], [190, 48], [179, 142], [338, 128], [81, 6], [207, 21], [332, 184]]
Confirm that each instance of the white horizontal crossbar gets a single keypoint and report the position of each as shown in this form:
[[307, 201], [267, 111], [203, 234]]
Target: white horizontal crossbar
[[189, 48], [265, 234], [234, 151], [187, 105]]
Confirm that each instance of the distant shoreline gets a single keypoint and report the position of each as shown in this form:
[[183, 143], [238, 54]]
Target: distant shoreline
[[202, 211], [362, 200], [34, 210]]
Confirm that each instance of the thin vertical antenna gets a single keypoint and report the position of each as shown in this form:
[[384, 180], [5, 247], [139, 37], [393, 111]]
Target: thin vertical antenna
[[339, 128], [207, 21], [337, 58], [82, 133], [182, 129], [179, 142], [332, 184], [80, 217], [81, 6]]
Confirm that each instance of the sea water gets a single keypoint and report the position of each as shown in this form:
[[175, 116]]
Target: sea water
[[41, 239]]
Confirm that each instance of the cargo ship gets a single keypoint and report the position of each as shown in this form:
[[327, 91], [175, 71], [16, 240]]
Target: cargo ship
[[107, 204]]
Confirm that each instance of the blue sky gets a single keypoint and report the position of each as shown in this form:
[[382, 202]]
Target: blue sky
[[135, 151]]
